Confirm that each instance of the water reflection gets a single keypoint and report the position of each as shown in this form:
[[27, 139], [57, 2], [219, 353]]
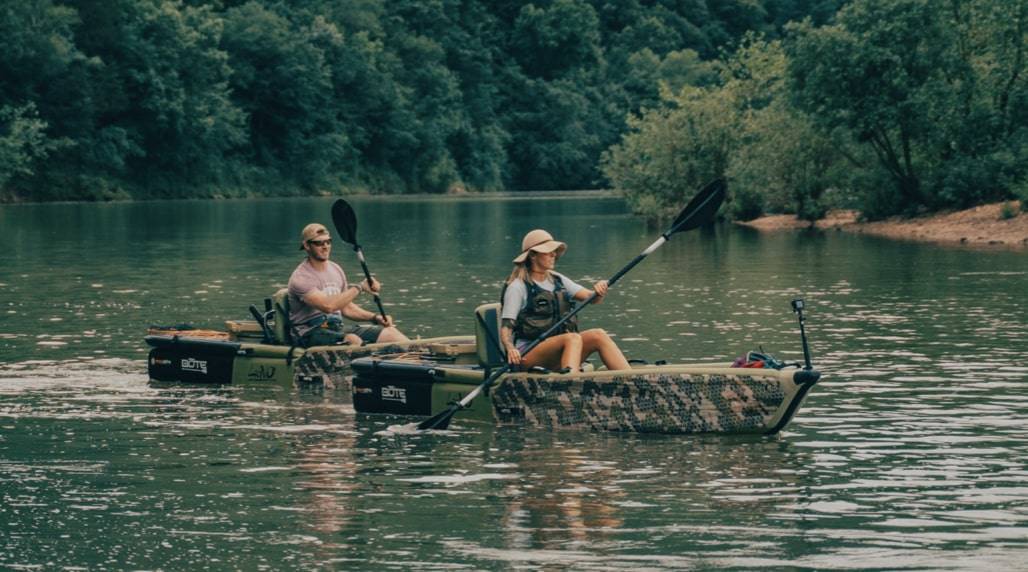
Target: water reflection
[[327, 470], [614, 501]]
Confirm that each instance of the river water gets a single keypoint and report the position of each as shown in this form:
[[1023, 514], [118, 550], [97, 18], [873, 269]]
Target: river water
[[910, 454]]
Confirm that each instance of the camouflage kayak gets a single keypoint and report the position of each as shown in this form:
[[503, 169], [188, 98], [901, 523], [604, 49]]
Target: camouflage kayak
[[754, 394], [708, 398]]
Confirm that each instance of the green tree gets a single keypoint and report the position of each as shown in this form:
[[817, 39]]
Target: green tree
[[782, 162], [921, 85], [869, 74], [41, 96], [736, 18], [38, 45], [670, 151], [555, 103], [552, 41], [980, 146], [170, 65], [472, 42], [23, 142], [283, 83], [742, 126]]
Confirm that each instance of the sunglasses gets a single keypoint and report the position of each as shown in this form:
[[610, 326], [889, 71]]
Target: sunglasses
[[326, 242]]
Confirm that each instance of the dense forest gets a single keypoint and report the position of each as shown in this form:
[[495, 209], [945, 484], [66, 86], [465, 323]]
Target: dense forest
[[883, 105]]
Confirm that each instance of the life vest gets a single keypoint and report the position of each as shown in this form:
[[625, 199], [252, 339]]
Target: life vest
[[543, 310]]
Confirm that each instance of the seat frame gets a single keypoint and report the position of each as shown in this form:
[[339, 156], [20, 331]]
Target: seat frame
[[487, 336], [281, 326]]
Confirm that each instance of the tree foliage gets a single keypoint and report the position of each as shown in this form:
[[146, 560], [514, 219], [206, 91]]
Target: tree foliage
[[171, 98], [891, 107], [23, 142], [741, 126], [671, 150], [921, 84]]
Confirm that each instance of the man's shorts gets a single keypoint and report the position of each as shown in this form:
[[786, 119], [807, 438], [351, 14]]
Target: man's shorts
[[334, 335]]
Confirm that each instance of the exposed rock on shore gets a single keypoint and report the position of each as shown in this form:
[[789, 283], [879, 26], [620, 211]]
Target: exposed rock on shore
[[984, 225]]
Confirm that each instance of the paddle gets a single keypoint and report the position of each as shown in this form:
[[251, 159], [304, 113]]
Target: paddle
[[346, 225], [700, 210]]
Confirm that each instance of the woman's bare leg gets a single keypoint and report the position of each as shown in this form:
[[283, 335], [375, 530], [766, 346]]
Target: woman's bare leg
[[597, 340], [557, 352]]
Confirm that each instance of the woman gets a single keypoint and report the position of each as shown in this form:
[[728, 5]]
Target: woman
[[535, 298]]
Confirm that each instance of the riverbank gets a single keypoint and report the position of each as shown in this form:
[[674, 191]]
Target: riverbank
[[983, 225]]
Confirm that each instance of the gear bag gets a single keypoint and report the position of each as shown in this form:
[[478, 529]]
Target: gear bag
[[758, 360]]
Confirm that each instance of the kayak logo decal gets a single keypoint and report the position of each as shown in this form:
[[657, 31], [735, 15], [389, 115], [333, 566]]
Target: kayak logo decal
[[193, 364], [393, 393], [261, 373]]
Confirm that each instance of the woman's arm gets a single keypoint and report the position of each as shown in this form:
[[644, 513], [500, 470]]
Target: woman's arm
[[599, 288], [507, 340], [514, 298]]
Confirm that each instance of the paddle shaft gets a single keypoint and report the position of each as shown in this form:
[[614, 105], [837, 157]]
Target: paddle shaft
[[367, 274]]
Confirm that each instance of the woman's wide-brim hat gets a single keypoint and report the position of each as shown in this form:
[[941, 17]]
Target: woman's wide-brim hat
[[540, 241]]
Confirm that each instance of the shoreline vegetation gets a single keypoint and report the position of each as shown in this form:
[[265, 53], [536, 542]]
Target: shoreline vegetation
[[1001, 224], [886, 107]]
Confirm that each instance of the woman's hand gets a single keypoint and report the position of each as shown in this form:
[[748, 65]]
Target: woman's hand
[[385, 321], [600, 288], [513, 356], [373, 286]]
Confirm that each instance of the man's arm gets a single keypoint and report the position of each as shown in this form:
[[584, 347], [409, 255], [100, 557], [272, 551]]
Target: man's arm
[[356, 313], [329, 303]]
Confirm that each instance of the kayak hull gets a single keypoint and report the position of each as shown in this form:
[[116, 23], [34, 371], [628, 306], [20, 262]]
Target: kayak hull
[[678, 399], [185, 359], [657, 400]]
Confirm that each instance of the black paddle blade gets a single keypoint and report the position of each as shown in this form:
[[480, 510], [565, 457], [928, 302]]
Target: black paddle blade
[[345, 220], [702, 208], [440, 420]]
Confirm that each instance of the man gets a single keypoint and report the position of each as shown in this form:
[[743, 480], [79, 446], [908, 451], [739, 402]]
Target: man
[[320, 296]]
